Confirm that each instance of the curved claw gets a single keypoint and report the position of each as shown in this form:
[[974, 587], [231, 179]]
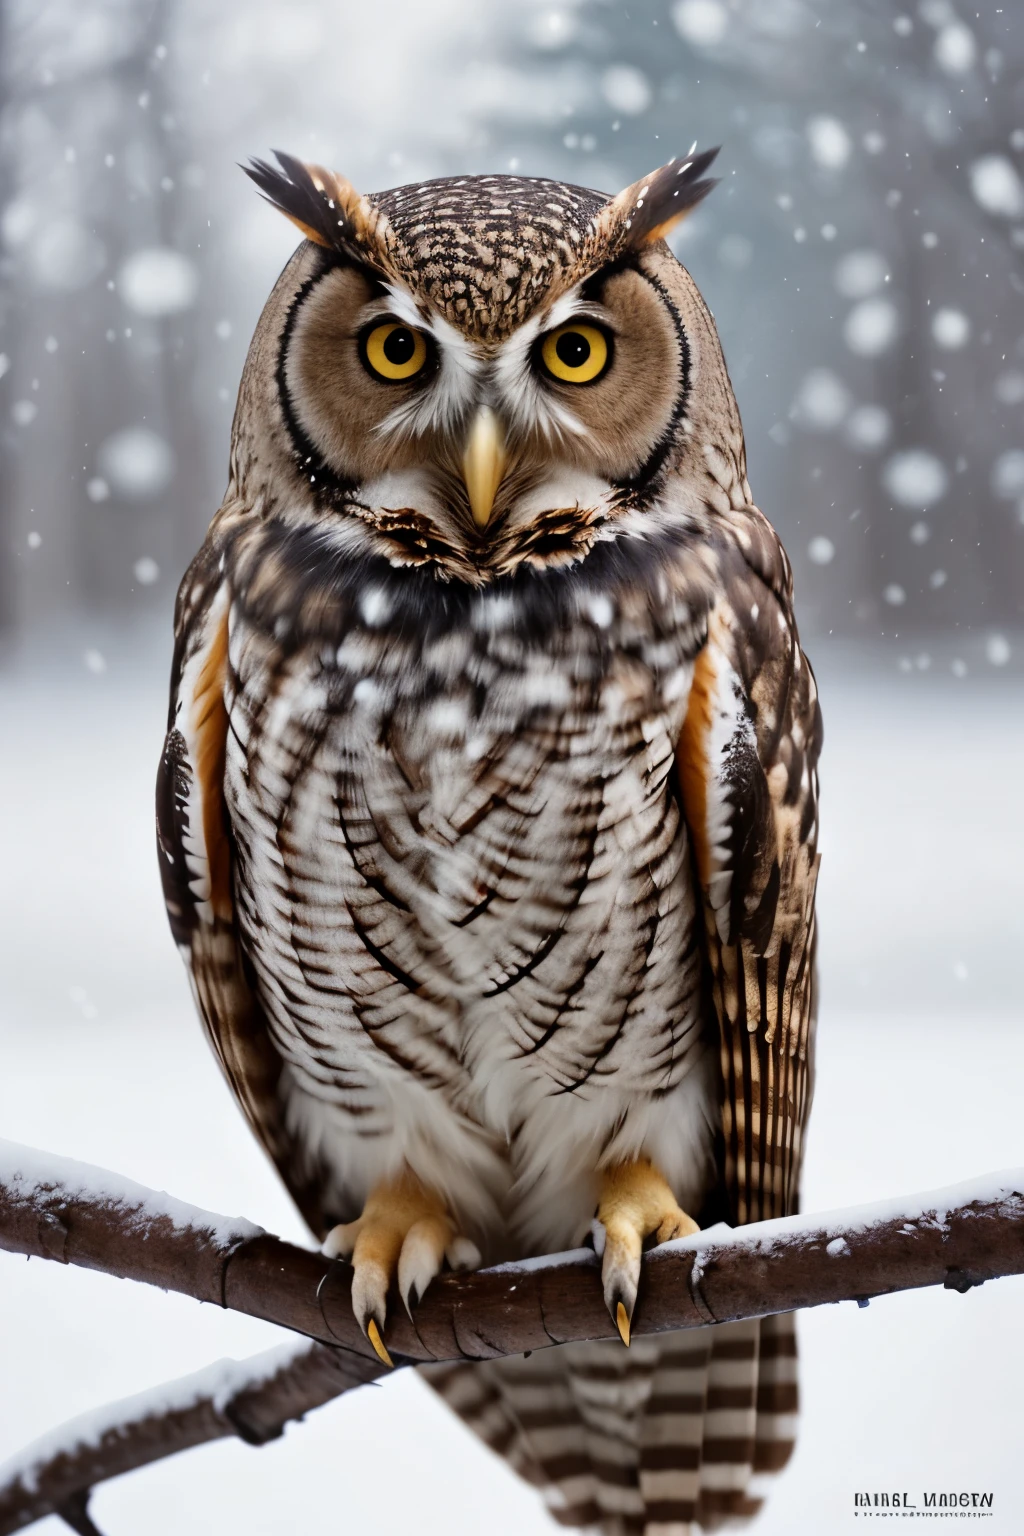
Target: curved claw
[[373, 1334]]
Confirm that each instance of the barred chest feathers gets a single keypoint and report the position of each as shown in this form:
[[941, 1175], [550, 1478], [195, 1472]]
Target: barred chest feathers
[[460, 851]]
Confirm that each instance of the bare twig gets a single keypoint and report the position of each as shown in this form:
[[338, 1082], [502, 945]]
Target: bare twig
[[52, 1208]]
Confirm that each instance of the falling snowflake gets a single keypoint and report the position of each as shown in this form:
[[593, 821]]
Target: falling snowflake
[[821, 551], [1009, 387], [1008, 475], [626, 89], [997, 186], [955, 48], [65, 256], [136, 461], [951, 329], [997, 650], [829, 141], [871, 327], [158, 282], [915, 477], [701, 22], [859, 274], [551, 29], [869, 427], [822, 401]]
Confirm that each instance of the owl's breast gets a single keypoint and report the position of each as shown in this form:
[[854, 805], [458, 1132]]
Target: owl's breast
[[466, 859]]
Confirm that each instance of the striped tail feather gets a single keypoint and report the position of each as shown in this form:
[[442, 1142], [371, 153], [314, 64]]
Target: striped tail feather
[[730, 1425], [679, 1434], [778, 1401]]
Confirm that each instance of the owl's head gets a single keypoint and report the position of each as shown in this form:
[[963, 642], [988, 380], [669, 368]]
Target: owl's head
[[482, 373]]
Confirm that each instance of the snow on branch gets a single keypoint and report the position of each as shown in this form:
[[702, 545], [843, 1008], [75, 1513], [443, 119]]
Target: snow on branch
[[52, 1208]]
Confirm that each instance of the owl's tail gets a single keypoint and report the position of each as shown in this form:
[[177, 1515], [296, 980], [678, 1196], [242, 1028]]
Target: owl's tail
[[680, 1433]]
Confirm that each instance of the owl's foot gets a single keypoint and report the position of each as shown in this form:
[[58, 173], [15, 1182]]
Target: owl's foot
[[405, 1231], [635, 1204]]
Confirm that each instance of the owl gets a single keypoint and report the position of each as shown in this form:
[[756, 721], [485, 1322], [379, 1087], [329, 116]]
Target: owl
[[487, 813]]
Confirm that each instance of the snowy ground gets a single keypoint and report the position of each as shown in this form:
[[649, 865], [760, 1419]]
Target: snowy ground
[[920, 1059]]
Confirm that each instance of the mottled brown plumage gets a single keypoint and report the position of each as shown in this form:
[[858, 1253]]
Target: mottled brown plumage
[[488, 808]]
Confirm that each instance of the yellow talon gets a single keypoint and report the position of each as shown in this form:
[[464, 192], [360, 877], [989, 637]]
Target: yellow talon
[[405, 1234], [635, 1204], [373, 1334]]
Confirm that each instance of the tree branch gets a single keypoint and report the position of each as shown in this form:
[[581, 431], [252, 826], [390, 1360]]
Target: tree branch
[[72, 1213], [251, 1399]]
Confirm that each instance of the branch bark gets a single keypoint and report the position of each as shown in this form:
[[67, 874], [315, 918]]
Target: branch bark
[[69, 1212]]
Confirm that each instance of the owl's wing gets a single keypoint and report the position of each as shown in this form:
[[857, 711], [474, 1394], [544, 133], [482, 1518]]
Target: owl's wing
[[194, 848], [748, 770]]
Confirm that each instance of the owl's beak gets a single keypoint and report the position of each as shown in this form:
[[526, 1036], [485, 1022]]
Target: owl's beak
[[483, 463]]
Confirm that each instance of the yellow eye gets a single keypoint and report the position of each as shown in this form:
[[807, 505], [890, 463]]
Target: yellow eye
[[576, 354], [394, 351]]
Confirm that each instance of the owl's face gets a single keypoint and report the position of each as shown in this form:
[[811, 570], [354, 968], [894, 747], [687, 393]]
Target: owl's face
[[486, 373]]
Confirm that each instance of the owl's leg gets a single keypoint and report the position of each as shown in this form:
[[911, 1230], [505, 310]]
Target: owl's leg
[[405, 1231], [635, 1204]]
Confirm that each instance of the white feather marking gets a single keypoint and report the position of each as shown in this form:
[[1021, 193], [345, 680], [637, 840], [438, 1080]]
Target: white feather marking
[[401, 488], [600, 609], [523, 398], [564, 487], [375, 606], [448, 398]]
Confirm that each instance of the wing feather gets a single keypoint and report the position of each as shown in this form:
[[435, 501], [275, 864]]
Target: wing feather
[[194, 843], [748, 771]]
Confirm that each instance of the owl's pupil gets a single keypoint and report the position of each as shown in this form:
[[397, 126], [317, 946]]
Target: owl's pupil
[[399, 345], [573, 349]]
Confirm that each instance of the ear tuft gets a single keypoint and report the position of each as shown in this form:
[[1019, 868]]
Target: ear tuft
[[325, 207], [648, 209]]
